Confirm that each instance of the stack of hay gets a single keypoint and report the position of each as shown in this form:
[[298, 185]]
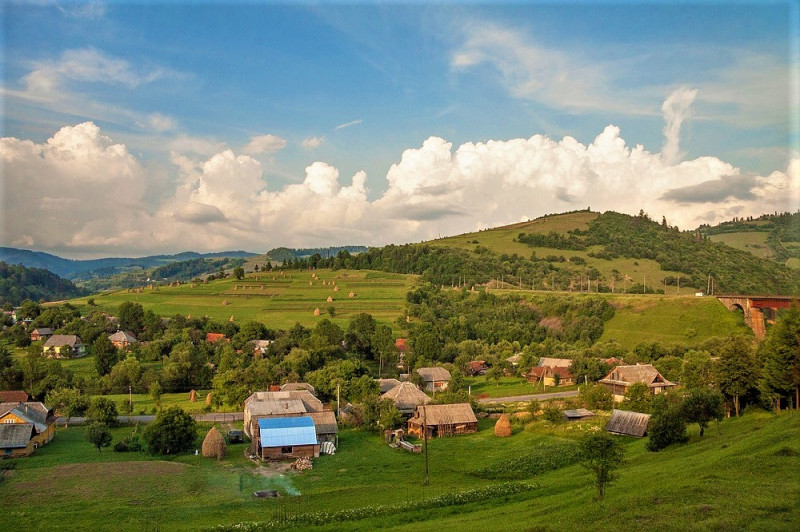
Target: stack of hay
[[502, 429], [214, 444], [193, 396]]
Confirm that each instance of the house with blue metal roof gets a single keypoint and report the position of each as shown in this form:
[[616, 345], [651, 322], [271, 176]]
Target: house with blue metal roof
[[287, 437]]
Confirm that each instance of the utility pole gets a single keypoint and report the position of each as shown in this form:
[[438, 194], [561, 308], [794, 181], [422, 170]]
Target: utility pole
[[425, 440]]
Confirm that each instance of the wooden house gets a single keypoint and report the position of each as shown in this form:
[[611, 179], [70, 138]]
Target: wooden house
[[555, 362], [58, 345], [436, 378], [443, 420], [628, 423], [41, 333], [476, 367], [122, 339], [550, 376], [17, 439], [288, 403], [621, 378], [406, 397], [385, 385], [33, 413], [215, 337], [287, 437]]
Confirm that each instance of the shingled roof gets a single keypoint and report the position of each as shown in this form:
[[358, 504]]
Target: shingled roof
[[406, 397], [445, 414], [644, 373], [16, 435], [628, 423], [60, 340], [434, 374]]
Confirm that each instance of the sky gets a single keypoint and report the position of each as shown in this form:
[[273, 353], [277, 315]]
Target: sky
[[136, 128]]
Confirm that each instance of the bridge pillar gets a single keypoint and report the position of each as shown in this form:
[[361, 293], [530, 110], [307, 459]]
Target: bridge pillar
[[755, 320]]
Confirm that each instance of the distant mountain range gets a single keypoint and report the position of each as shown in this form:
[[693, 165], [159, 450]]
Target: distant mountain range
[[76, 269]]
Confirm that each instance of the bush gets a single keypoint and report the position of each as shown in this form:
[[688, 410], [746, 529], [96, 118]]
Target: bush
[[553, 414], [173, 431], [666, 428]]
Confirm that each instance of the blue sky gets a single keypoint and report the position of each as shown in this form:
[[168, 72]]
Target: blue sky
[[195, 125]]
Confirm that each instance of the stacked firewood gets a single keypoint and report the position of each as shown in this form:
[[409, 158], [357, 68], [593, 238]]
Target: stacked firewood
[[302, 464]]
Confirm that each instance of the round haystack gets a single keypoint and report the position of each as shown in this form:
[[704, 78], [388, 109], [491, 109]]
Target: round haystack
[[502, 429], [193, 396], [311, 283], [316, 312], [351, 294], [330, 299], [335, 288], [224, 302], [235, 287], [262, 286], [208, 398], [214, 444], [231, 320]]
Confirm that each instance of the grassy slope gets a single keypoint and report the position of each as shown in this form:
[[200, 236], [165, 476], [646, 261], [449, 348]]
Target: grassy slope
[[284, 301], [742, 474], [753, 242], [689, 320]]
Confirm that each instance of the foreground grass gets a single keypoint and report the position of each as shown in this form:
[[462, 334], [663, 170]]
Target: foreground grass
[[742, 474]]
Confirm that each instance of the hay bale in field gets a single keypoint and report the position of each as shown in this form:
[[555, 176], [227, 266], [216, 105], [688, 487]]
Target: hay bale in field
[[311, 283], [502, 429], [231, 320], [262, 286], [330, 299], [208, 398], [235, 287], [193, 396], [224, 302], [335, 288], [214, 445], [316, 311], [351, 294]]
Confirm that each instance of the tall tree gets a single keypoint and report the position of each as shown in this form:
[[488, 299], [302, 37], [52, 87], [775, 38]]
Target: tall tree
[[105, 355], [173, 431], [601, 453], [737, 369], [702, 406], [98, 435], [780, 352]]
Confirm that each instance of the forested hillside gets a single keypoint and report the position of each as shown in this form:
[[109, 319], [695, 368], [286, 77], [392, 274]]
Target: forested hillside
[[597, 258], [779, 234], [18, 283]]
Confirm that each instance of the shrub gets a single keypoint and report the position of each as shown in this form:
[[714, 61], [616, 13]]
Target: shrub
[[666, 428], [553, 414], [172, 432]]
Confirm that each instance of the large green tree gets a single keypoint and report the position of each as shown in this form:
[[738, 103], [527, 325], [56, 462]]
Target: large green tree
[[601, 453], [737, 369], [780, 352], [105, 355], [702, 406], [97, 434], [173, 431]]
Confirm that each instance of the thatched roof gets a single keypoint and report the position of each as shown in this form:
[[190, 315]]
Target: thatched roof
[[444, 414], [644, 373], [434, 374], [406, 397], [628, 423]]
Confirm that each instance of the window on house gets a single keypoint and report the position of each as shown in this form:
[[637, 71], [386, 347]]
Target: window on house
[[286, 450]]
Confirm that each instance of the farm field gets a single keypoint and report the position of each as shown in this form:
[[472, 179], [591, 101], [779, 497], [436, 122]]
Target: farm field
[[740, 475], [278, 300], [750, 241]]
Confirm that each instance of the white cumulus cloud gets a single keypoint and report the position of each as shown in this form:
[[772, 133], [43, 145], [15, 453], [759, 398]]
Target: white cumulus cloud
[[312, 142], [264, 144]]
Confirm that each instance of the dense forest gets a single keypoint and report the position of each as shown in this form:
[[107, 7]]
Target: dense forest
[[609, 236], [18, 283]]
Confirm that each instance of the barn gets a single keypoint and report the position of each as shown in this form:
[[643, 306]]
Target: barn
[[443, 420], [287, 437]]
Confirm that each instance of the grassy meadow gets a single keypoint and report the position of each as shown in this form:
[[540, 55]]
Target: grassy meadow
[[750, 241], [741, 475], [277, 299]]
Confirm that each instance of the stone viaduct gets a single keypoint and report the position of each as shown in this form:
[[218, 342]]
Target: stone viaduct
[[758, 309]]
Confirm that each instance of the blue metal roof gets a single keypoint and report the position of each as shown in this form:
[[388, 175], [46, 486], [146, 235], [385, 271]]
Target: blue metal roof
[[287, 431]]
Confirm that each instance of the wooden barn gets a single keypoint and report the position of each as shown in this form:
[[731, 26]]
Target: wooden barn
[[286, 437], [443, 420], [628, 423]]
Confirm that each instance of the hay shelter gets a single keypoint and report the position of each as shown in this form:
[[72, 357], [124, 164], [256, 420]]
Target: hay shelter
[[214, 445]]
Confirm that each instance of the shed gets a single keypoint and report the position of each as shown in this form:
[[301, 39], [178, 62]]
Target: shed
[[287, 437], [579, 413], [443, 420], [325, 425], [628, 423], [17, 439]]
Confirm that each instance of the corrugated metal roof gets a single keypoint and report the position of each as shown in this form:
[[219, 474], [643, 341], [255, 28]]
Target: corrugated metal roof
[[287, 431]]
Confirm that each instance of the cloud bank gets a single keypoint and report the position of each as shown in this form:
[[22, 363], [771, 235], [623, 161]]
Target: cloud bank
[[81, 194]]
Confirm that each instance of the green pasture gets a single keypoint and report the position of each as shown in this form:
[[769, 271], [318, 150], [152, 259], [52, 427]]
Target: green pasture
[[689, 320], [751, 241], [481, 386], [278, 299], [741, 475]]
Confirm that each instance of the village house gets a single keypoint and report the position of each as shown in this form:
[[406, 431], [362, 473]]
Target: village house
[[550, 376], [39, 423], [215, 337], [285, 404], [385, 385], [41, 333], [260, 347], [13, 396], [122, 339], [406, 397], [443, 420], [436, 378], [286, 437], [621, 378], [402, 348], [59, 345], [476, 367]]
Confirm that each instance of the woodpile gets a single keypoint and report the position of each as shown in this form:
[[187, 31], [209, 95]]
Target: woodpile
[[214, 445], [502, 429], [302, 464]]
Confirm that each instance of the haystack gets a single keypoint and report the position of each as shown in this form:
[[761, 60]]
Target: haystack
[[311, 283], [335, 288], [316, 312], [330, 299], [351, 294], [231, 320], [193, 396], [208, 398], [214, 445], [502, 429], [224, 302]]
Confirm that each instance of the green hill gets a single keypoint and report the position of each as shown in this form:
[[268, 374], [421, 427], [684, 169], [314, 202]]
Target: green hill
[[770, 236], [18, 283]]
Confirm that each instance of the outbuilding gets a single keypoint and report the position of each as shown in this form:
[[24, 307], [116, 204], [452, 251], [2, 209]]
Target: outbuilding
[[287, 437]]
